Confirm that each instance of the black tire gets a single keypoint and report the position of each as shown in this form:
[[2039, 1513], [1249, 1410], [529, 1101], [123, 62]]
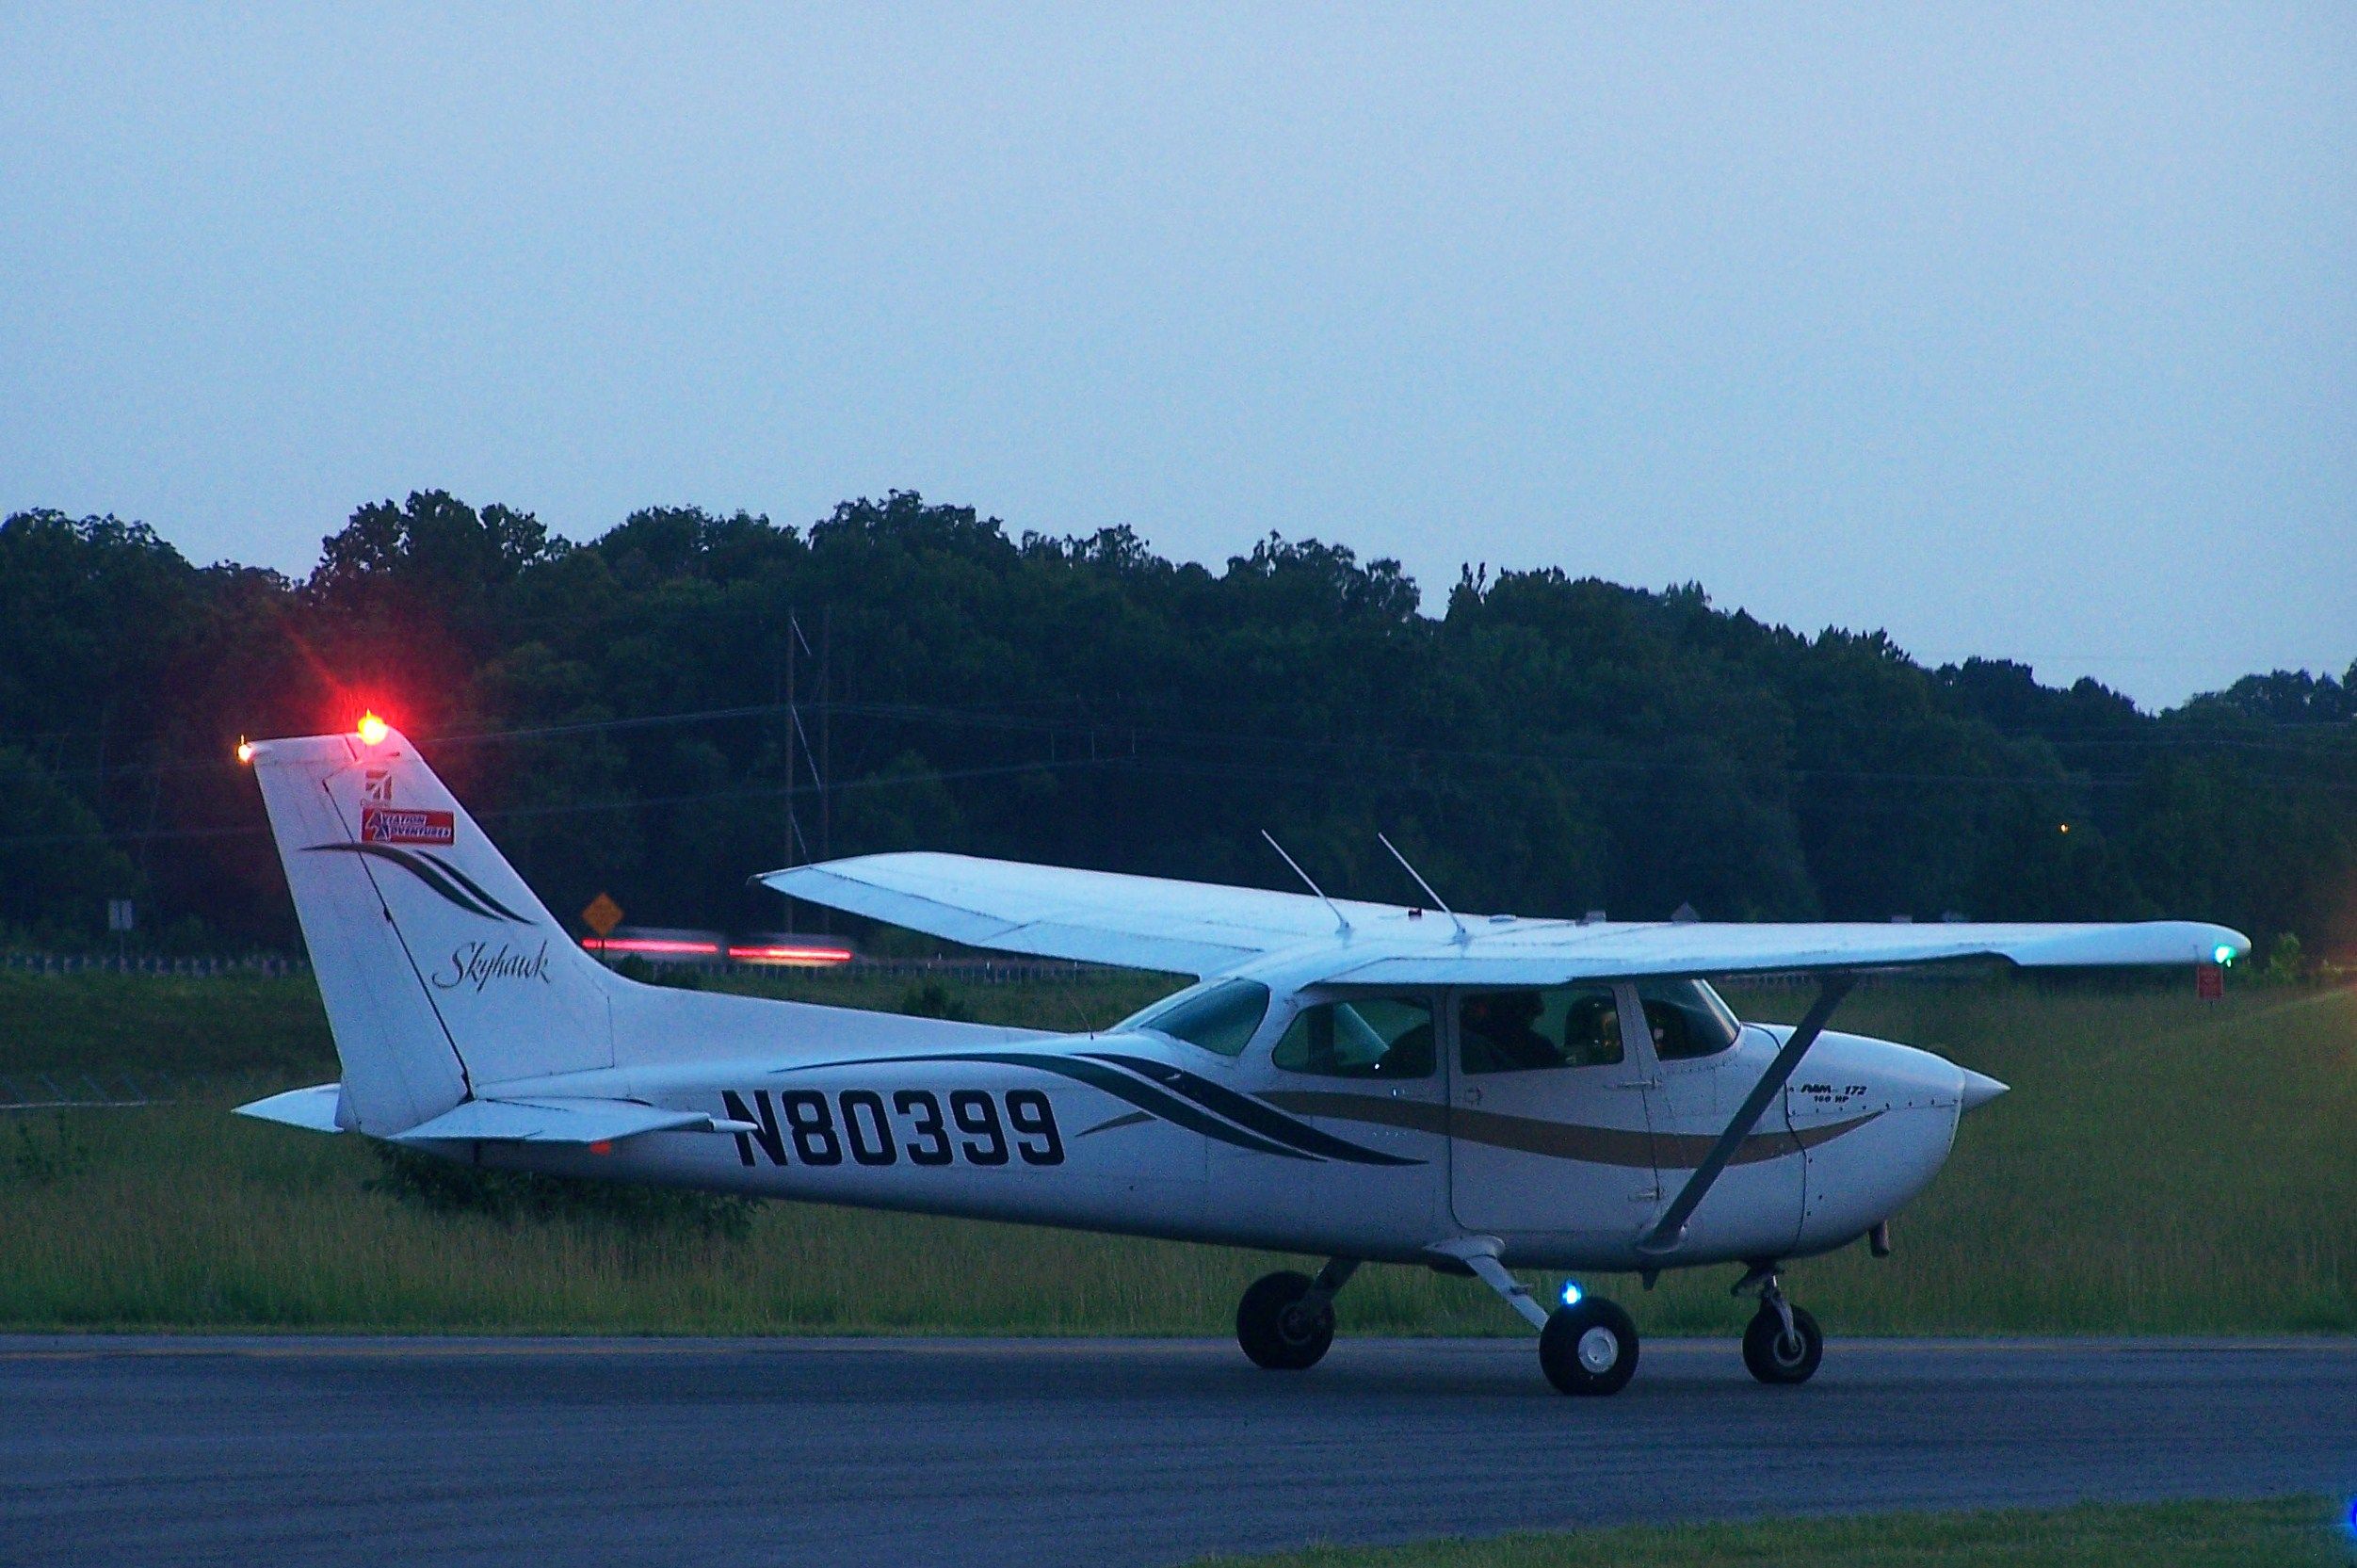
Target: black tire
[[1276, 1331], [1589, 1349], [1772, 1357]]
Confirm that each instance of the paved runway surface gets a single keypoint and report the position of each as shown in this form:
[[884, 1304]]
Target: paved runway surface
[[295, 1452]]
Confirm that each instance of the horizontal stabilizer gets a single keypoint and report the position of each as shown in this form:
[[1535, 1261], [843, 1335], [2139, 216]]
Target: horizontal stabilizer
[[312, 1109], [559, 1121]]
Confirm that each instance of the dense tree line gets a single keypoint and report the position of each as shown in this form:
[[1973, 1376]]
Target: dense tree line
[[616, 712]]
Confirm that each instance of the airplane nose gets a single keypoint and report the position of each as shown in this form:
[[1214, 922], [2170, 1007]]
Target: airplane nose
[[1979, 1089]]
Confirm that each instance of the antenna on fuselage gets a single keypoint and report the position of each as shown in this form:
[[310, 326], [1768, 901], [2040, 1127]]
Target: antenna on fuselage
[[1342, 922], [1438, 902]]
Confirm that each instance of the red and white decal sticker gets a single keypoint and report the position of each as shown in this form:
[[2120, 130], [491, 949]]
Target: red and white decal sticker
[[386, 825], [377, 784]]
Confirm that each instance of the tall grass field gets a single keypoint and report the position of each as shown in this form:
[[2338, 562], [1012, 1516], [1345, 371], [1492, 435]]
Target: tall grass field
[[2164, 1165]]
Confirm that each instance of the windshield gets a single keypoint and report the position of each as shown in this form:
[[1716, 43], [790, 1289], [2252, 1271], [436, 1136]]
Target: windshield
[[1221, 1018]]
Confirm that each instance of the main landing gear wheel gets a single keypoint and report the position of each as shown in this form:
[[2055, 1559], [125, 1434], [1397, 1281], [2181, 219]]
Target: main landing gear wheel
[[1776, 1355], [1589, 1349], [1277, 1328]]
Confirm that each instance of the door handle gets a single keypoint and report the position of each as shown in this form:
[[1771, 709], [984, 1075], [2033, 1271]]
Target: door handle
[[1471, 1096]]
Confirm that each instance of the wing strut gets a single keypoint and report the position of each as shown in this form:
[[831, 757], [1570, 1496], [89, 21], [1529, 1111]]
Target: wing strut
[[1671, 1229]]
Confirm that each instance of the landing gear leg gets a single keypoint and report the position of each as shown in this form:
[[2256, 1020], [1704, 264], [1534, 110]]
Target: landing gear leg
[[1588, 1348], [1286, 1320], [1782, 1344]]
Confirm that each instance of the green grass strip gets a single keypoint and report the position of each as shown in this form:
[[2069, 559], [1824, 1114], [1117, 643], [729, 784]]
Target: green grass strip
[[2295, 1532]]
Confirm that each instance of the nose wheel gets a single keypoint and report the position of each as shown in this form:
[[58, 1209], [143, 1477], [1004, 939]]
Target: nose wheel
[[1588, 1347], [1783, 1344]]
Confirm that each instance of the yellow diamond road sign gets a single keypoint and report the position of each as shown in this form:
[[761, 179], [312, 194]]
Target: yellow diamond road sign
[[603, 915]]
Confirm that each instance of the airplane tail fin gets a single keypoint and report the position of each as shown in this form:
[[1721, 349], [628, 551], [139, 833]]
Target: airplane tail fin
[[439, 968]]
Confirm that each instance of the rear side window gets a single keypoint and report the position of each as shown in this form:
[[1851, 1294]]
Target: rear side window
[[1375, 1037], [1222, 1019]]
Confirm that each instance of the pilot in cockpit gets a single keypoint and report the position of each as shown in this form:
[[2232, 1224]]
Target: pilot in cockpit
[[1522, 1031], [1498, 1036]]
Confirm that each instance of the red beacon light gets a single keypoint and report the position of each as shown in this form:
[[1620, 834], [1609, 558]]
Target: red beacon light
[[371, 729]]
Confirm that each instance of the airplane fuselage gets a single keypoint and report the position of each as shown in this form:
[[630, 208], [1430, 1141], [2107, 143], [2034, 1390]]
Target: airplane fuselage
[[1142, 1134]]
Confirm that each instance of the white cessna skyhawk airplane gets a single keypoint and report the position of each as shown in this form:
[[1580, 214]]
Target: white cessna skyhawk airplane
[[1357, 1081]]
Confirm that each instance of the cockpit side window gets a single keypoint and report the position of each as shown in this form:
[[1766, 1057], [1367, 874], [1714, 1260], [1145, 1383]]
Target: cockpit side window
[[1367, 1037], [1223, 1018], [1525, 1031], [1687, 1019]]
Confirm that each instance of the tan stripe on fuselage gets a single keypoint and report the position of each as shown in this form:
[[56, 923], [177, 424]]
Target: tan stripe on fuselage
[[1530, 1135]]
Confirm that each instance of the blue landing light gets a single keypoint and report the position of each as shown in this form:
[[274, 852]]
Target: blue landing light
[[1572, 1293]]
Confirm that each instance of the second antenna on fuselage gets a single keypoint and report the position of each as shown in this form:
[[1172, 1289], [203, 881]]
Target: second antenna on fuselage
[[1438, 903], [1342, 921]]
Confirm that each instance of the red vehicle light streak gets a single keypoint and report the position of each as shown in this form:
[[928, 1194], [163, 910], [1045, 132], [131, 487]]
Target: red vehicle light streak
[[791, 954]]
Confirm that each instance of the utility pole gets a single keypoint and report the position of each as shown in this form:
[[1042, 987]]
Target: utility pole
[[826, 743], [793, 631], [800, 755]]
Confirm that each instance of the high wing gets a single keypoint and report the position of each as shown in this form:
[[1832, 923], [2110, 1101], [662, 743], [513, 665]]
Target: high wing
[[1555, 954], [1200, 929], [1053, 912]]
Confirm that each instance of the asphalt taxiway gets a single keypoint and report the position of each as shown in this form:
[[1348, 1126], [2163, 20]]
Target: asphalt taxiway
[[478, 1451]]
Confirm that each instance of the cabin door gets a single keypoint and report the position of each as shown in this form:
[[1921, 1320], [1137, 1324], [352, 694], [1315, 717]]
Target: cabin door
[[1547, 1121]]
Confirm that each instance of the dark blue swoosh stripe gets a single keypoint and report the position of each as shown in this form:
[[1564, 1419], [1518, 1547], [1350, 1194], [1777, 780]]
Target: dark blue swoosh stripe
[[474, 887], [1258, 1115]]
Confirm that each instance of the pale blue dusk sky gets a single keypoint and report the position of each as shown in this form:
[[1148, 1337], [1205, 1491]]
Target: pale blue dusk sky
[[2023, 330]]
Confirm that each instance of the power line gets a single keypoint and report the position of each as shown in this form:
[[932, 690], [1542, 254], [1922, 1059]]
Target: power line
[[1632, 783]]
